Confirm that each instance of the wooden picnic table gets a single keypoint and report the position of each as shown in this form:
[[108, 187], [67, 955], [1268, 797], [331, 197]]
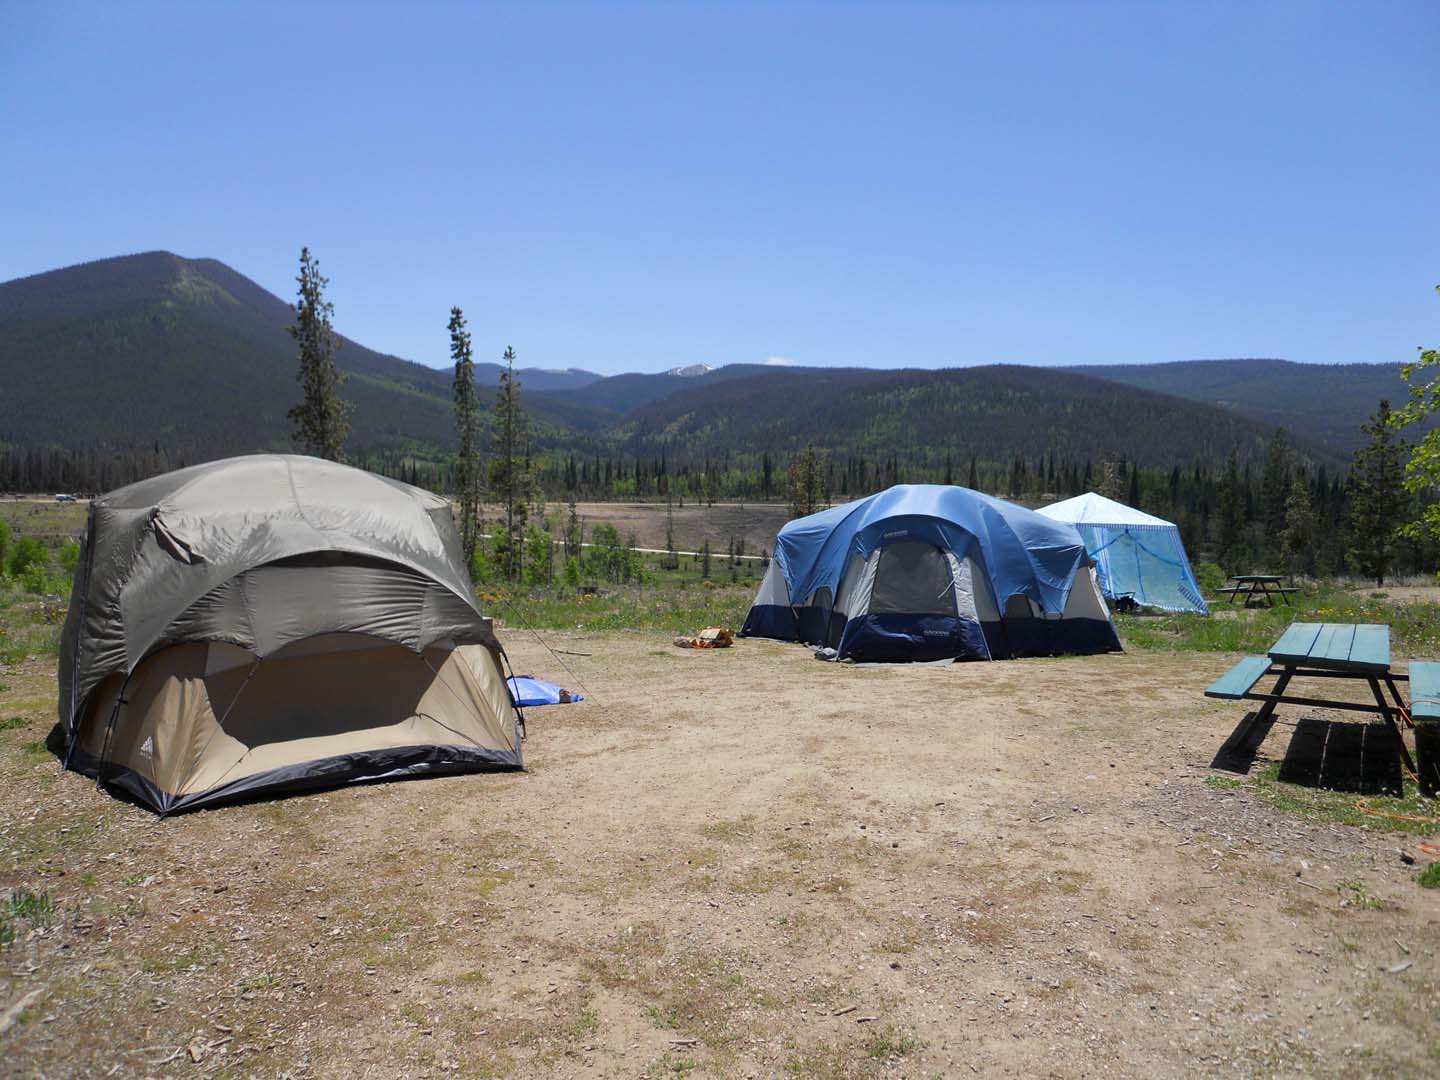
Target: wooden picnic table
[[1359, 652], [1258, 586]]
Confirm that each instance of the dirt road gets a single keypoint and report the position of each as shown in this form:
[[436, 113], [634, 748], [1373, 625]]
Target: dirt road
[[738, 863]]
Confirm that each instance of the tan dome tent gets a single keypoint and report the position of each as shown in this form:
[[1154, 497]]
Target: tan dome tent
[[275, 623]]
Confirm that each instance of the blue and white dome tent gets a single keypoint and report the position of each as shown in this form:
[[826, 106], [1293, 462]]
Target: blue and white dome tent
[[932, 572], [1137, 556]]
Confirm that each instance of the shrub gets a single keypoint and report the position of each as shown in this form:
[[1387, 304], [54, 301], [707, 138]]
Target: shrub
[[70, 556], [26, 553], [1210, 577], [1429, 878]]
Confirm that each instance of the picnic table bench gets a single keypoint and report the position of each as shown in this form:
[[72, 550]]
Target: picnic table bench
[[1258, 586], [1359, 652]]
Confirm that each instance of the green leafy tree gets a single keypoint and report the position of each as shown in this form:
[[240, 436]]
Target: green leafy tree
[[1422, 472], [607, 558], [6, 534], [1376, 507], [509, 477], [467, 421], [539, 557], [26, 554], [322, 419]]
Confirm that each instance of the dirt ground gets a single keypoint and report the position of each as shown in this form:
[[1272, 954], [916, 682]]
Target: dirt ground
[[755, 523], [740, 863]]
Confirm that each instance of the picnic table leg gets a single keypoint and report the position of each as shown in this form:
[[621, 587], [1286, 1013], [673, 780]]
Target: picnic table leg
[[1389, 719], [1400, 705], [1268, 708]]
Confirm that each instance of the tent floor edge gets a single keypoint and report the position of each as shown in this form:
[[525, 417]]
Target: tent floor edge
[[363, 767]]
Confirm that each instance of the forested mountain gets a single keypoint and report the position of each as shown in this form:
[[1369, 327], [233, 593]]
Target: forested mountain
[[186, 353], [156, 360], [925, 416], [1327, 402]]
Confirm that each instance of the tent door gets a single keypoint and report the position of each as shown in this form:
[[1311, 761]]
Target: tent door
[[910, 611]]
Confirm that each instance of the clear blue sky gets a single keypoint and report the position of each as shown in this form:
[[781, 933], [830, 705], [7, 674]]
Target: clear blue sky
[[632, 186]]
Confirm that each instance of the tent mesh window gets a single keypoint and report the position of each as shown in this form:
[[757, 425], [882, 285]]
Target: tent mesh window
[[913, 578]]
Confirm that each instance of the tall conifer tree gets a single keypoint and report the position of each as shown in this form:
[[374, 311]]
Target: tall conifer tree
[[467, 420], [322, 419]]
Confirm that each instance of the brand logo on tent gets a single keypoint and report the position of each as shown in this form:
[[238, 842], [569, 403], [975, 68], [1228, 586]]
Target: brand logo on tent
[[892, 535], [147, 748]]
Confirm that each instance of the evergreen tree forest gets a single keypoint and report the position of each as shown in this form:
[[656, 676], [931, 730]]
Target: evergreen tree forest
[[1286, 514]]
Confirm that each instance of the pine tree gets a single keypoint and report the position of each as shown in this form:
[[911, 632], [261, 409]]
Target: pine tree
[[508, 475], [1275, 491], [322, 419], [1376, 505], [1297, 544], [574, 531], [672, 560], [1231, 541], [467, 463], [806, 482]]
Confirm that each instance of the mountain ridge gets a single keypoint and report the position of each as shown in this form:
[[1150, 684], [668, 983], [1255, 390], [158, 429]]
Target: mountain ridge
[[191, 354]]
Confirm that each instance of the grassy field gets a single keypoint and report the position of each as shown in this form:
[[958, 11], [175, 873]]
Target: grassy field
[[1414, 621]]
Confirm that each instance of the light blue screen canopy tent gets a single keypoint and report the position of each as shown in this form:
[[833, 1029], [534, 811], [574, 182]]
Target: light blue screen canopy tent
[[1137, 555]]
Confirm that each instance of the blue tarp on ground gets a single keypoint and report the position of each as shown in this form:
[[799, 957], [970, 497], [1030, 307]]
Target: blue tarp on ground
[[528, 691]]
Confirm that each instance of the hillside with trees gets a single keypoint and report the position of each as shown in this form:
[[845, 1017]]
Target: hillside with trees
[[126, 367], [1329, 402]]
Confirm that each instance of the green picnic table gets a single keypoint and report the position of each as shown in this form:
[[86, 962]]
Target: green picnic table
[[1255, 587], [1358, 652]]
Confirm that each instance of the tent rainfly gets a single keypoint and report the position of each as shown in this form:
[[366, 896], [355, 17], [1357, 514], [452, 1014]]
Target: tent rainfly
[[1137, 555], [931, 572], [273, 623]]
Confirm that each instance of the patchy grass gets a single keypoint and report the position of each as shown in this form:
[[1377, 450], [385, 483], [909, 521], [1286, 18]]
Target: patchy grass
[[11, 723], [664, 605], [1429, 878], [24, 905], [1414, 626], [1320, 804], [890, 1043], [1353, 893], [1224, 783]]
